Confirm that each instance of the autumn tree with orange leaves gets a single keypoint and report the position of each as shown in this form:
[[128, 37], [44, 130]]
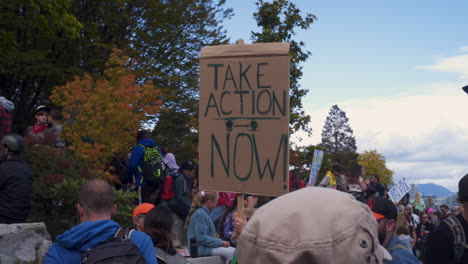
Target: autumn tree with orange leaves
[[105, 111]]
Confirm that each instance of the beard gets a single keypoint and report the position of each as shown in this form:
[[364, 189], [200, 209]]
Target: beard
[[381, 236]]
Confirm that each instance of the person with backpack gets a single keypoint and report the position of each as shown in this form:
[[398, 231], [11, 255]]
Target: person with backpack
[[146, 165], [448, 242], [181, 187], [97, 237]]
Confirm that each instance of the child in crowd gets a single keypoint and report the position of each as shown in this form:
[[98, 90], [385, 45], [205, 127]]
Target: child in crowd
[[201, 229], [403, 235], [158, 224]]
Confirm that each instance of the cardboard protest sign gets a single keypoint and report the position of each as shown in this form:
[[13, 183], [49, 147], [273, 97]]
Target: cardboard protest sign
[[399, 190], [244, 118], [316, 164]]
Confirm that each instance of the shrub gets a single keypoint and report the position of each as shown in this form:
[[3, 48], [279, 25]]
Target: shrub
[[57, 177]]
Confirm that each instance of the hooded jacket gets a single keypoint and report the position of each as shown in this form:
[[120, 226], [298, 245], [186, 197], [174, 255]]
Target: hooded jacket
[[15, 191], [137, 160], [71, 244]]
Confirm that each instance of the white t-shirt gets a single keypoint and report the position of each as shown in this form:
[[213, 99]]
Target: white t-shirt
[[355, 187]]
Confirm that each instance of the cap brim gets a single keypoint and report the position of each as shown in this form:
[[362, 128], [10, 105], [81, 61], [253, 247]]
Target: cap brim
[[378, 216], [386, 255]]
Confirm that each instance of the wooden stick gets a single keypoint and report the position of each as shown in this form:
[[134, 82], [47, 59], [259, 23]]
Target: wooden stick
[[240, 205]]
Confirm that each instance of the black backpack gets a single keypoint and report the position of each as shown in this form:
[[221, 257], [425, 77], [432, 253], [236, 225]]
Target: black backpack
[[458, 237], [153, 170], [119, 249]]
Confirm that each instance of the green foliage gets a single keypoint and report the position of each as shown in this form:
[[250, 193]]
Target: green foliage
[[278, 20], [34, 52], [124, 202], [338, 140], [176, 130], [375, 163], [57, 177]]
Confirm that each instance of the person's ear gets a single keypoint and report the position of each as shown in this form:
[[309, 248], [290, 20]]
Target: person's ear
[[80, 211], [390, 225], [114, 209]]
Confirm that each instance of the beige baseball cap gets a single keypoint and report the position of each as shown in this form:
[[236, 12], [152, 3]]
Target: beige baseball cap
[[312, 225]]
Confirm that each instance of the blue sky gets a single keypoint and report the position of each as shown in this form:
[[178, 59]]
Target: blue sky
[[396, 68]]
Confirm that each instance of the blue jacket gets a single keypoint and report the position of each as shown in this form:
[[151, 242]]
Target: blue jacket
[[71, 244], [202, 228], [137, 159], [399, 255]]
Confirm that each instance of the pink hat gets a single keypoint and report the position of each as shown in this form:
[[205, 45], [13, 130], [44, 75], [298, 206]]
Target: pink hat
[[430, 211]]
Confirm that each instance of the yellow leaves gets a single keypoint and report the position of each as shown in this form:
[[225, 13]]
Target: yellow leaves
[[106, 110]]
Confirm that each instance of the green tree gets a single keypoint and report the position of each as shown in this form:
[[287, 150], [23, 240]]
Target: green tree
[[34, 55], [176, 130], [278, 21], [375, 163], [338, 140]]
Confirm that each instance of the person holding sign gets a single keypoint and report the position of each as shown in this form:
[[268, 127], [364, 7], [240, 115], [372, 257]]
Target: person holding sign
[[330, 179], [201, 229]]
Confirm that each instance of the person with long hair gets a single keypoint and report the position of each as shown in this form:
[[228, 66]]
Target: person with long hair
[[356, 184], [158, 224], [201, 229], [418, 202]]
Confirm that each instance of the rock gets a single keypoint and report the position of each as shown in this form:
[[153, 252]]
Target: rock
[[27, 242]]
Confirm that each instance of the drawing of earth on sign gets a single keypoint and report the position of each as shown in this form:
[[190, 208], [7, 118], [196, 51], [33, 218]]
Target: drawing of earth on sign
[[244, 122]]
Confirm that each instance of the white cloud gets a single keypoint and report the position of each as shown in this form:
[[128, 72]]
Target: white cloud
[[455, 64], [463, 49], [424, 137]]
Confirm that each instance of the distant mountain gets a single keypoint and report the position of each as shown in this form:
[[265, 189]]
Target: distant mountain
[[431, 189]]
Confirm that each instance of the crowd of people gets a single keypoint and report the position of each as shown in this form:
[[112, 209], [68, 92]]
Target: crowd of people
[[345, 219]]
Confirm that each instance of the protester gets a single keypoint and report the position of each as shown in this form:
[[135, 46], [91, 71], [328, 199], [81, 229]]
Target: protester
[[330, 179], [356, 184], [433, 218], [6, 116], [158, 224], [201, 229], [139, 214], [169, 161], [412, 232], [40, 134], [180, 203], [15, 181], [298, 228], [430, 204], [442, 245], [95, 208], [404, 236], [136, 163], [54, 118], [226, 202], [413, 218], [239, 224], [454, 210], [444, 210], [418, 202], [422, 231], [375, 182], [385, 213]]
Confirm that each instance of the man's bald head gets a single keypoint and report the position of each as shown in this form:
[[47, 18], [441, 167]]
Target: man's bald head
[[96, 196]]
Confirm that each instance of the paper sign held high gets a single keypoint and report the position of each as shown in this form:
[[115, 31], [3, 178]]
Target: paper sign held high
[[244, 118]]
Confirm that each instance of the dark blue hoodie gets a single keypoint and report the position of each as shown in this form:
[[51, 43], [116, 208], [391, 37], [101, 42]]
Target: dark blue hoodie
[[136, 159], [74, 242]]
